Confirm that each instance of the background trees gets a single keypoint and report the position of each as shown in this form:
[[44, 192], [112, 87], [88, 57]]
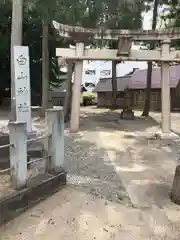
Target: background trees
[[122, 15], [149, 70], [41, 38], [37, 29]]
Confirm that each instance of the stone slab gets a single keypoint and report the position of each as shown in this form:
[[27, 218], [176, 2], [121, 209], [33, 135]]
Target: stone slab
[[166, 136], [37, 190]]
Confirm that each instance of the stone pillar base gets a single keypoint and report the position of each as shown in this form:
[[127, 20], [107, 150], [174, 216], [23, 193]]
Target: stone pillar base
[[166, 136], [127, 114]]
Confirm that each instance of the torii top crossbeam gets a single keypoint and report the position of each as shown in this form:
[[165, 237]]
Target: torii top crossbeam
[[114, 34]]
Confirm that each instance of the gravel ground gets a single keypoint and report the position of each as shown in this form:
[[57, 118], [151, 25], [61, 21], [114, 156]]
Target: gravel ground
[[76, 153], [90, 170], [119, 180], [84, 163], [87, 162]]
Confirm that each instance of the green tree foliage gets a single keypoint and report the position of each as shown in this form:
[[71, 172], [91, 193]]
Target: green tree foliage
[[173, 18], [124, 14], [31, 37], [82, 13], [146, 109], [149, 70], [5, 36], [87, 13], [121, 15]]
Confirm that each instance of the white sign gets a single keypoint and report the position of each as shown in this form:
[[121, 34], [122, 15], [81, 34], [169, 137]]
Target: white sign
[[22, 85]]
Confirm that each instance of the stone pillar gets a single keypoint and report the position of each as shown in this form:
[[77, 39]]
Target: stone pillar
[[165, 90], [18, 154], [55, 121], [78, 71]]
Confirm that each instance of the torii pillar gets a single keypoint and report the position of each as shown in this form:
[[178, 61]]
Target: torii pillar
[[165, 89], [166, 132], [76, 92]]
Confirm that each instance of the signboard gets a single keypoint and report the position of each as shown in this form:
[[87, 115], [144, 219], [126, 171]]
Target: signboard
[[22, 85]]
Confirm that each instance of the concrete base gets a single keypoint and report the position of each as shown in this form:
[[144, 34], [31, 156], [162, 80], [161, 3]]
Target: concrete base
[[32, 134], [166, 136], [127, 115], [37, 190]]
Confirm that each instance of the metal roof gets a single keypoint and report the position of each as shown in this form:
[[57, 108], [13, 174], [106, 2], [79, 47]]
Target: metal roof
[[138, 79], [105, 85]]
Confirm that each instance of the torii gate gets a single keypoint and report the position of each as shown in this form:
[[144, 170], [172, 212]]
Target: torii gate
[[123, 53]]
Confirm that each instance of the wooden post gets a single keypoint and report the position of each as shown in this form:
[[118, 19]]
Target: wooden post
[[16, 40], [55, 121], [165, 90], [18, 154], [114, 85], [68, 96], [45, 67], [75, 109]]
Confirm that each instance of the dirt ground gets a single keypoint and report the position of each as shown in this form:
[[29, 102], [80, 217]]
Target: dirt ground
[[119, 181]]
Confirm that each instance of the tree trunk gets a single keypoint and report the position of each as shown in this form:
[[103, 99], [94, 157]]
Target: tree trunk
[[68, 97], [175, 193], [148, 91], [149, 70], [45, 67], [114, 85], [16, 40]]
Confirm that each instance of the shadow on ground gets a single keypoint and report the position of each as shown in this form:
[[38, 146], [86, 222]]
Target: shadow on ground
[[111, 118], [89, 169], [141, 169], [173, 129]]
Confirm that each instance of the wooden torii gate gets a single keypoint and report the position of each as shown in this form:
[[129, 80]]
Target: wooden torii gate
[[122, 53]]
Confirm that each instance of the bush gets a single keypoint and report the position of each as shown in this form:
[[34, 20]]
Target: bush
[[89, 99]]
